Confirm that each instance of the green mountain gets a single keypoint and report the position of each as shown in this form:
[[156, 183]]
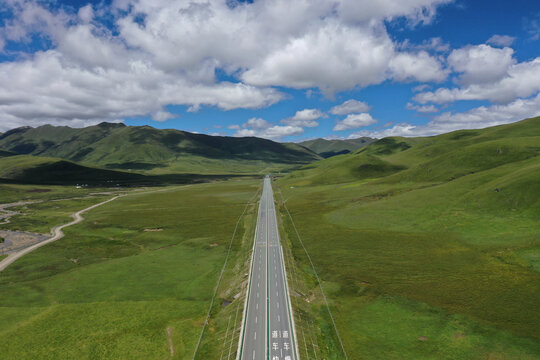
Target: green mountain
[[143, 148], [438, 158], [328, 148], [435, 237]]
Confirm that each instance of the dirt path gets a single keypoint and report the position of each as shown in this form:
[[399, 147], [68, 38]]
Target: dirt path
[[77, 218], [5, 214], [56, 234]]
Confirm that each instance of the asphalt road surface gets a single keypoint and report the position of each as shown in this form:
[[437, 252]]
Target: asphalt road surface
[[268, 326]]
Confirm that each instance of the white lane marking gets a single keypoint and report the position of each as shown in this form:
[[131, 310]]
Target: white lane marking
[[278, 305], [258, 284], [255, 319], [255, 335], [278, 318], [257, 306], [253, 354], [257, 294]]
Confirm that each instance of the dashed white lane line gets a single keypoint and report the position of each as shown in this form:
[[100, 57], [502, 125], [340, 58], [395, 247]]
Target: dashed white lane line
[[255, 336]]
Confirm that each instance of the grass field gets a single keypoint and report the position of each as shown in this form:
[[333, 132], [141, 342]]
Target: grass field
[[427, 248], [10, 193], [43, 216], [112, 290]]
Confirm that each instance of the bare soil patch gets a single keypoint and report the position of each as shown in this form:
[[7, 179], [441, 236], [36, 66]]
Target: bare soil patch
[[169, 336]]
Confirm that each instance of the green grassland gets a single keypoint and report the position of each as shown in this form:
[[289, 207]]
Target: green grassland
[[427, 248], [110, 289], [43, 216], [28, 169], [11, 193]]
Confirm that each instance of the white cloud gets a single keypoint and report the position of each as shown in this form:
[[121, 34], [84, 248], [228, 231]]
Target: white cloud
[[481, 63], [532, 26], [422, 108], [349, 107], [273, 132], [416, 11], [163, 116], [305, 118], [522, 80], [434, 44], [171, 57], [48, 88], [354, 121], [420, 67], [421, 87], [86, 13], [257, 123], [334, 57], [477, 118], [501, 40], [261, 128], [484, 116]]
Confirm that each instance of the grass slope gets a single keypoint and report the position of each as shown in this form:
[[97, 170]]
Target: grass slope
[[111, 290], [428, 247], [27, 169], [144, 148]]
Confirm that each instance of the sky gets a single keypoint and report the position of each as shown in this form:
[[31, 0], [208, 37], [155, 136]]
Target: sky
[[279, 69]]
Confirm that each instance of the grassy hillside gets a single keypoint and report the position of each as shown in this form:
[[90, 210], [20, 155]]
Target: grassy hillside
[[134, 280], [26, 169], [427, 247], [329, 148], [143, 148]]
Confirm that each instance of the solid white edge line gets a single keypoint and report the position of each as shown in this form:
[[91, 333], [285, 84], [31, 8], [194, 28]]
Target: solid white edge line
[[289, 305], [244, 313]]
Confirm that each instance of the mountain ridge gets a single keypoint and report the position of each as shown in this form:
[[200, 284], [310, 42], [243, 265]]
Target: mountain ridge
[[143, 148]]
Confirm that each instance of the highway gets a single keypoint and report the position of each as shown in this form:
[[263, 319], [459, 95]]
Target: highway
[[268, 324]]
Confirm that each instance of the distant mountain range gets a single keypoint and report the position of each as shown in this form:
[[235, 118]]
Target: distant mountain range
[[153, 151], [328, 148]]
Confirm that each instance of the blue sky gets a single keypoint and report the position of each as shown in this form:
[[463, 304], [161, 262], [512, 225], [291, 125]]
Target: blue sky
[[278, 69]]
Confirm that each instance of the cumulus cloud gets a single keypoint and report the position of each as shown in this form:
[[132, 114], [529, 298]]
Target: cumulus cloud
[[532, 26], [86, 13], [417, 67], [166, 52], [501, 40], [261, 128], [163, 116], [257, 124], [435, 44], [521, 81], [422, 108], [477, 118], [354, 121], [334, 57], [349, 107], [481, 63], [305, 118]]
